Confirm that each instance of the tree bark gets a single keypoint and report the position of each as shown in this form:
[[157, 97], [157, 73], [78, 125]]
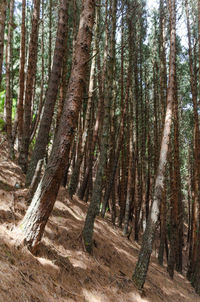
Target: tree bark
[[33, 224], [76, 171], [87, 180], [141, 269], [21, 75], [3, 6], [51, 95], [93, 209], [30, 80], [196, 262], [196, 138], [37, 118], [9, 94]]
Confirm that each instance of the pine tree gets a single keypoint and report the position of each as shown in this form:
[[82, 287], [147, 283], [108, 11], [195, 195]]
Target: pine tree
[[33, 224], [141, 269]]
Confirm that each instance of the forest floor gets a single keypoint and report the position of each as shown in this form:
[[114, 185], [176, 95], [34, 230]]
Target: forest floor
[[62, 271]]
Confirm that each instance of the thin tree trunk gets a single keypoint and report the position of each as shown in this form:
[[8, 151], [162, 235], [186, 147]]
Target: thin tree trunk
[[177, 189], [196, 138], [93, 209], [21, 75], [163, 209], [99, 117], [41, 100], [9, 96], [196, 273], [3, 6], [163, 90], [30, 80], [76, 171], [141, 269], [63, 82], [130, 183], [50, 38], [173, 216], [52, 91]]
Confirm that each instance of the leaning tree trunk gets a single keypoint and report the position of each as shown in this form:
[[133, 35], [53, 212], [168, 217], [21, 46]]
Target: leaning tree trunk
[[51, 96], [141, 269], [99, 117], [33, 224], [3, 5], [76, 171], [30, 79]]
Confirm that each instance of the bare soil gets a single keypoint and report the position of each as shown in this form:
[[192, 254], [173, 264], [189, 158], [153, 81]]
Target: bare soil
[[62, 271]]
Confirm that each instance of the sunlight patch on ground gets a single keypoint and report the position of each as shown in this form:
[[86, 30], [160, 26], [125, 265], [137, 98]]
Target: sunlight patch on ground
[[44, 261], [60, 206], [93, 297], [137, 298], [128, 255], [78, 263]]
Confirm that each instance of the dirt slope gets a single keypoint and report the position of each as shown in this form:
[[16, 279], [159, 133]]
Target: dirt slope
[[62, 271]]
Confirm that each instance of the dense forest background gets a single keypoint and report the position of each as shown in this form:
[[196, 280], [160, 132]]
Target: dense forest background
[[102, 97]]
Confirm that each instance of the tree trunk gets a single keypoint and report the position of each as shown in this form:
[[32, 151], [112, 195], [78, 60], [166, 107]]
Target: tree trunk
[[141, 269], [37, 118], [50, 38], [93, 209], [163, 90], [195, 268], [21, 75], [30, 80], [51, 96], [87, 180], [196, 202], [3, 6], [33, 224], [9, 94], [63, 82], [76, 171], [177, 188], [163, 210]]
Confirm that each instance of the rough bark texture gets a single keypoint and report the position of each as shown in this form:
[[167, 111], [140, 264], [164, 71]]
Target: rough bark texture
[[93, 209], [163, 90], [34, 222], [177, 195], [9, 95], [196, 200], [195, 276], [163, 211], [99, 118], [76, 171], [3, 5], [37, 118], [52, 91], [30, 80], [21, 74], [63, 82], [141, 269]]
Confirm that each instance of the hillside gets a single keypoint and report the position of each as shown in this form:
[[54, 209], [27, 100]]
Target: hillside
[[62, 271]]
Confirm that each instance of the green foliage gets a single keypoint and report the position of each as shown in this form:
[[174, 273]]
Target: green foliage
[[14, 108], [2, 125], [2, 100]]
